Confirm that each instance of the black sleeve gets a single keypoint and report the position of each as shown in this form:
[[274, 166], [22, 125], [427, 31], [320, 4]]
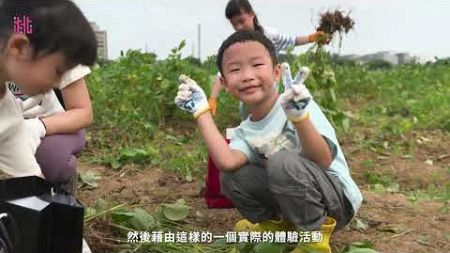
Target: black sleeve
[[332, 147]]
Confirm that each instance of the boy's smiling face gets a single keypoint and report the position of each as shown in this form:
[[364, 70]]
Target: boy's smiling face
[[33, 74], [249, 73]]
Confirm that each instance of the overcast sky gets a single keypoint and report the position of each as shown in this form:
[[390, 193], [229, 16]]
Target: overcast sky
[[417, 27]]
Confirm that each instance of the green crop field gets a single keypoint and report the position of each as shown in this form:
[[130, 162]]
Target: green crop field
[[382, 114]]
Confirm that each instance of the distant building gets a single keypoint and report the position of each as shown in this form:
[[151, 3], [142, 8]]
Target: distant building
[[384, 55], [102, 42], [406, 58], [394, 58], [426, 59]]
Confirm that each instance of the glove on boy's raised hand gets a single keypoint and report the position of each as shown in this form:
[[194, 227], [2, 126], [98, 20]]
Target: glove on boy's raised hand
[[296, 96], [191, 97], [212, 101]]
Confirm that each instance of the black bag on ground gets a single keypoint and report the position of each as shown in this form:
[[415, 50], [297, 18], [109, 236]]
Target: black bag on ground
[[38, 217]]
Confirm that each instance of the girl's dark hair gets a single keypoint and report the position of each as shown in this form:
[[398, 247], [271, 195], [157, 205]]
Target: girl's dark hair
[[56, 25], [245, 36], [235, 7]]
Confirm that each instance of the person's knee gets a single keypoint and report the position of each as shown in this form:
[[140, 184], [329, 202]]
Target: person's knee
[[81, 141], [279, 159], [60, 169], [231, 180], [56, 155], [287, 169], [241, 180]]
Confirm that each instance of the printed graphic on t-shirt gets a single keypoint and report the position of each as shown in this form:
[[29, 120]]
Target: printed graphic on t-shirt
[[16, 91], [270, 144]]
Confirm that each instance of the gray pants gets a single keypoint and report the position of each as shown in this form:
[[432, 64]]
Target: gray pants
[[289, 185]]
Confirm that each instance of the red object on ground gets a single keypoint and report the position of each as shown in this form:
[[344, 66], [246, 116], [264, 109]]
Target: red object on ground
[[213, 197]]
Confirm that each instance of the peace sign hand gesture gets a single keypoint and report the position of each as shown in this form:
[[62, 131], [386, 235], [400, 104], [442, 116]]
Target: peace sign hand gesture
[[296, 96]]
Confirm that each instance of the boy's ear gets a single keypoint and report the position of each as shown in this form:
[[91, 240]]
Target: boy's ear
[[277, 72], [224, 83], [18, 45]]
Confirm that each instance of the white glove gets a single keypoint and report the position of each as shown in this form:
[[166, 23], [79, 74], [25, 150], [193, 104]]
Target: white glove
[[296, 96], [191, 97], [36, 131]]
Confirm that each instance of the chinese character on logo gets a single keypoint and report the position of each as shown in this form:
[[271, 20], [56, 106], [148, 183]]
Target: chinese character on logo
[[22, 25]]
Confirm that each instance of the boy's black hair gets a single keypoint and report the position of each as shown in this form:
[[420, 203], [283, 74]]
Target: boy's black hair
[[235, 7], [246, 36], [57, 25]]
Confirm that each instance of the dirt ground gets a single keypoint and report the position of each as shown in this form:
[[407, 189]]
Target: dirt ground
[[395, 223]]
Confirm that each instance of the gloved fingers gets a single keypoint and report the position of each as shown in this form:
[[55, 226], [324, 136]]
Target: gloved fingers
[[286, 75], [184, 79], [179, 101], [300, 92], [184, 87], [326, 37], [185, 95], [287, 96], [297, 93], [301, 75]]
